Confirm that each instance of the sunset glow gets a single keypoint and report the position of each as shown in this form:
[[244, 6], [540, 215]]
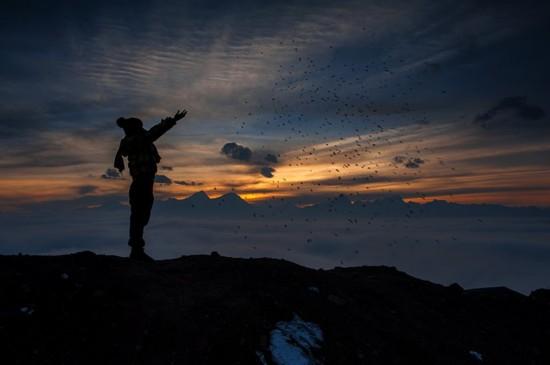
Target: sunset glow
[[350, 98]]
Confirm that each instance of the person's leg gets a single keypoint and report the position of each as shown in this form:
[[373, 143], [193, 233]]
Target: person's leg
[[136, 225], [148, 199], [141, 201]]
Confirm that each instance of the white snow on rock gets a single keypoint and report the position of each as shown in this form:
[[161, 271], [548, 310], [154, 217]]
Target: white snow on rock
[[476, 355], [27, 310], [292, 342], [313, 289]]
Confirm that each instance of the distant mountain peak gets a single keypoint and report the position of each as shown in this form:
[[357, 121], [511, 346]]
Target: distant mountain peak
[[231, 198], [198, 196]]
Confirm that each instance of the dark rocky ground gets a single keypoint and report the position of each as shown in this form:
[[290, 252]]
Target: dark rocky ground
[[91, 309]]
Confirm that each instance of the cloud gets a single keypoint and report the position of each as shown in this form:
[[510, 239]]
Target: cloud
[[267, 171], [361, 180], [44, 150], [86, 189], [167, 168], [246, 155], [163, 179], [111, 174], [188, 183], [399, 159], [271, 158], [411, 163], [513, 112], [414, 163], [236, 151], [15, 122]]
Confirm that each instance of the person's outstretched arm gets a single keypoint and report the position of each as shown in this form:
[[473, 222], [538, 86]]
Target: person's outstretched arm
[[119, 161], [165, 124]]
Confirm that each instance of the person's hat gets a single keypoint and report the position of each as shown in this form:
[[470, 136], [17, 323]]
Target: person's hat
[[129, 123]]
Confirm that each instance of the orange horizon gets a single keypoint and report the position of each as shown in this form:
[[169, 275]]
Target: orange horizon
[[21, 192]]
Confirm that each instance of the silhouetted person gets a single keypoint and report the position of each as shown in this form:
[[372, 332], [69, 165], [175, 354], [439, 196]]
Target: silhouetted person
[[143, 158]]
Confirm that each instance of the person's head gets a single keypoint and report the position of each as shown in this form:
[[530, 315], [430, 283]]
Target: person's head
[[130, 125]]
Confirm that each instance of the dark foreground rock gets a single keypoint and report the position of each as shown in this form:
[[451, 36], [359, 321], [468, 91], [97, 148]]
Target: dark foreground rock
[[88, 309]]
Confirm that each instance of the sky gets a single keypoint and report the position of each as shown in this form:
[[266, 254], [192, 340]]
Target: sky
[[298, 100]]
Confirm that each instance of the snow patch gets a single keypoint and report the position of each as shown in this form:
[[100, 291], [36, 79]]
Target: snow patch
[[313, 289], [292, 342], [27, 310], [476, 355]]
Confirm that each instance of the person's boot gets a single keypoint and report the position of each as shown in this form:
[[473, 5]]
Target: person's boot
[[139, 254]]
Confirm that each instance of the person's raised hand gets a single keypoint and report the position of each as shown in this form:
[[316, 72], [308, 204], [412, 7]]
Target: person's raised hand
[[179, 115]]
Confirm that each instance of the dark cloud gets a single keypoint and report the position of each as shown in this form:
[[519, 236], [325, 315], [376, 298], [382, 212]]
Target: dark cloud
[[56, 115], [68, 106], [361, 180], [267, 171], [423, 121], [433, 66], [271, 158], [243, 185], [86, 189], [163, 179], [414, 163], [411, 163], [236, 151], [167, 168], [38, 151], [188, 183], [512, 112], [111, 174], [246, 155], [399, 159], [15, 122]]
